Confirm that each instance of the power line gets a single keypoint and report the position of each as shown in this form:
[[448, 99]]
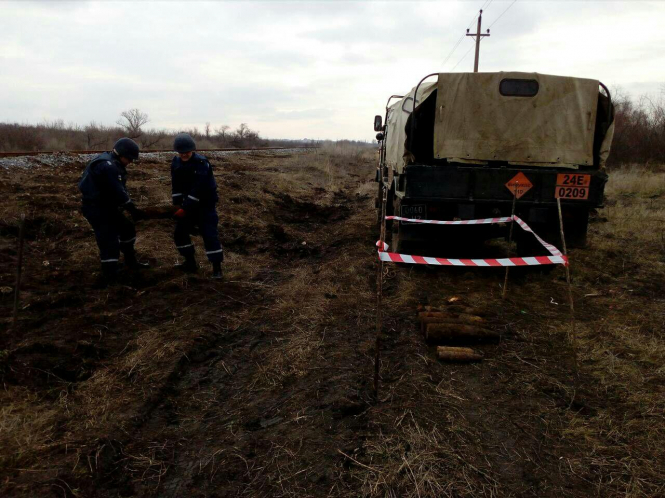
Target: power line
[[453, 50], [485, 5], [463, 57], [502, 13]]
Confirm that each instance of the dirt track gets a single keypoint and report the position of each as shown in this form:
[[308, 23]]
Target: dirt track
[[261, 385]]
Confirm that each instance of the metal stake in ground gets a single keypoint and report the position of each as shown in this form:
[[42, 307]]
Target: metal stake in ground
[[17, 288], [379, 294], [570, 287], [510, 238], [573, 335]]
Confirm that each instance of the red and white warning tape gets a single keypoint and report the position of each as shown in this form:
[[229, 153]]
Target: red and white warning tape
[[556, 257], [461, 222], [553, 250], [385, 246]]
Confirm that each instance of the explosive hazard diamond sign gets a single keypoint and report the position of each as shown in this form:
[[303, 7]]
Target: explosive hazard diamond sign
[[519, 185]]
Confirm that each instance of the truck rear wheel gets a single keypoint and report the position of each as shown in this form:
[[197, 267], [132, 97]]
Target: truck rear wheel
[[528, 246], [398, 244], [378, 204], [576, 229]]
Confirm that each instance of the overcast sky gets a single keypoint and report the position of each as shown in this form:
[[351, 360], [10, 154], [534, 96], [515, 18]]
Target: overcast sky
[[298, 69]]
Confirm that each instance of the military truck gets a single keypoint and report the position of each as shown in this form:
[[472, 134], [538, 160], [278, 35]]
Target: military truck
[[457, 148]]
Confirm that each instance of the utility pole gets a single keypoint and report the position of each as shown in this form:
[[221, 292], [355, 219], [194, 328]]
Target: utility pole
[[478, 37]]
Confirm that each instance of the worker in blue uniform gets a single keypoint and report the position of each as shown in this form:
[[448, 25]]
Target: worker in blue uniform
[[194, 189], [105, 198]]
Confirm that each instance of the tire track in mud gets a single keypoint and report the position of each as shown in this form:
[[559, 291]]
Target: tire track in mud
[[109, 457], [235, 413]]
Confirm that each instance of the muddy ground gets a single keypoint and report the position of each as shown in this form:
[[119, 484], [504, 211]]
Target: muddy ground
[[261, 385]]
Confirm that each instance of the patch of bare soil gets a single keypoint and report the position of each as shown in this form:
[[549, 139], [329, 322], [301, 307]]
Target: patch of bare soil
[[261, 385]]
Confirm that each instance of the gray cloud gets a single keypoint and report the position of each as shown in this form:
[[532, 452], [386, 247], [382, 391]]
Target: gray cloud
[[295, 69]]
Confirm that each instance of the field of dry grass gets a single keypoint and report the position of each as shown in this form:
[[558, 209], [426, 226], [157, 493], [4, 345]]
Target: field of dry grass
[[173, 385], [592, 434], [635, 211]]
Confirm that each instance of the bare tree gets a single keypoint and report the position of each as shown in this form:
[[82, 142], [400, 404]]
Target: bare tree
[[94, 135], [221, 131], [242, 131], [207, 129], [132, 121], [252, 138], [56, 124], [151, 138]]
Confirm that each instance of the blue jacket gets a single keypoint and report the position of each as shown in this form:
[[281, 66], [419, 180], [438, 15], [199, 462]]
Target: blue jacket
[[103, 182], [192, 182]]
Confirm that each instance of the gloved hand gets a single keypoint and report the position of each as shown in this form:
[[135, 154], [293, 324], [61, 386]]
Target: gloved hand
[[136, 213], [180, 213]]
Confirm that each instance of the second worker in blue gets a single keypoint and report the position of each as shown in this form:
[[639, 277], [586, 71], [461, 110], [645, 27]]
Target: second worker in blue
[[105, 198], [194, 189]]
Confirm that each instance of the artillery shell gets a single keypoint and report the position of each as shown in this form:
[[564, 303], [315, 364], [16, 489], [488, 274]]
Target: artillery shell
[[455, 331], [450, 320], [448, 353]]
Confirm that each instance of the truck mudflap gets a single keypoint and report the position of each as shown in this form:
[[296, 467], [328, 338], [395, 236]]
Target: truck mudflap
[[485, 184]]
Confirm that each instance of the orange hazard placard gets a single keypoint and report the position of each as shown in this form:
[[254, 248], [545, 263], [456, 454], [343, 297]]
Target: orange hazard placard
[[519, 185], [572, 186]]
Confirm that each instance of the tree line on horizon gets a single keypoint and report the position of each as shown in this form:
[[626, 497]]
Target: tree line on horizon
[[58, 136], [639, 135]]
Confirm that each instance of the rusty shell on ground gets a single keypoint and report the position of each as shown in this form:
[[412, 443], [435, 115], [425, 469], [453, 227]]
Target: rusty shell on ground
[[462, 317], [451, 315], [453, 308], [449, 320], [457, 331], [446, 305], [448, 353], [432, 314]]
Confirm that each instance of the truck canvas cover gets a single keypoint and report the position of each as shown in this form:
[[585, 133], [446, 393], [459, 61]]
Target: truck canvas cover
[[398, 114], [480, 119]]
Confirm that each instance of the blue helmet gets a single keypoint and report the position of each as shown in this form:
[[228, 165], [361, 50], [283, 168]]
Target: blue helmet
[[183, 143], [126, 147]]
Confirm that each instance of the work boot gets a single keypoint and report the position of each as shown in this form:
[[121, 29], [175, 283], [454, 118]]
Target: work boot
[[131, 261], [217, 271], [189, 265]]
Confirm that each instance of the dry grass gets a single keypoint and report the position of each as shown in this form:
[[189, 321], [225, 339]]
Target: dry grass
[[624, 348], [609, 444], [636, 214], [332, 165], [340, 276], [300, 317], [637, 181], [419, 462], [27, 426]]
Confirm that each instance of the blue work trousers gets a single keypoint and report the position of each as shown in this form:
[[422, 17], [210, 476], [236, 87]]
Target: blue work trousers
[[205, 223], [113, 231]]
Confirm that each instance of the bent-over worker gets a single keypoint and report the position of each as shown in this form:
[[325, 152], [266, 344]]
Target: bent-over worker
[[194, 189], [105, 198]]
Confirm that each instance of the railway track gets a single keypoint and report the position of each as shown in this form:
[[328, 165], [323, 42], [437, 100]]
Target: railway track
[[39, 152]]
